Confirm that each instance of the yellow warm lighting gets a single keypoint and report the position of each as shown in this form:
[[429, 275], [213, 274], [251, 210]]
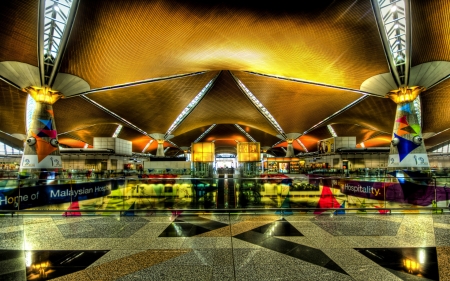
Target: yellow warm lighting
[[405, 94], [203, 152], [411, 266], [248, 152], [160, 141], [43, 95]]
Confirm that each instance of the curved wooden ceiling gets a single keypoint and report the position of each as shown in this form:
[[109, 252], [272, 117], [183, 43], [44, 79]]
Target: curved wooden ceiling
[[12, 109], [18, 35], [324, 41], [225, 104], [296, 106], [435, 108], [145, 104], [114, 41], [431, 36]]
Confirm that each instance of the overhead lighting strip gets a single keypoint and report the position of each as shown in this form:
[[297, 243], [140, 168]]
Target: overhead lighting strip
[[302, 145], [191, 106], [259, 106], [115, 115], [335, 114], [148, 144], [140, 82], [394, 25], [331, 130], [278, 142], [204, 133], [312, 83], [245, 133], [117, 132], [173, 144]]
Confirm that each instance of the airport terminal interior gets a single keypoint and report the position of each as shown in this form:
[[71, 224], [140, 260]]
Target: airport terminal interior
[[225, 140]]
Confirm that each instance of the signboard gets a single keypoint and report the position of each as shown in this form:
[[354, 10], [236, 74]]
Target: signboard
[[326, 146], [248, 152]]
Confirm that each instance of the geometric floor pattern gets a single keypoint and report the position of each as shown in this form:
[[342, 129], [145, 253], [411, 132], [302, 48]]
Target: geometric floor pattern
[[226, 247]]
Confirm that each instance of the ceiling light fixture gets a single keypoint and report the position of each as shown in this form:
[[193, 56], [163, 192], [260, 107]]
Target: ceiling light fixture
[[204, 133], [259, 105], [186, 111], [245, 133]]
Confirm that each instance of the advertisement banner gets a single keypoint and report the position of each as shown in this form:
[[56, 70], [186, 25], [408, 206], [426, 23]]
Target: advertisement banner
[[326, 146], [41, 195]]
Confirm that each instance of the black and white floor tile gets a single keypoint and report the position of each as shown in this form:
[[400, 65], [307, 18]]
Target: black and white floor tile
[[226, 247]]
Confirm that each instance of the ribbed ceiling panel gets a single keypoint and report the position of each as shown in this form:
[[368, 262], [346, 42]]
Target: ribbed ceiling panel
[[375, 113], [186, 139], [225, 132], [13, 103], [76, 113], [225, 104], [296, 106], [350, 130], [153, 107], [87, 135], [436, 108], [18, 35], [431, 31], [115, 41], [437, 139], [260, 136]]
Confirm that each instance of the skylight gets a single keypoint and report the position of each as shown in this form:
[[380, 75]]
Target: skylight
[[56, 16], [418, 110], [31, 105], [6, 149], [394, 20]]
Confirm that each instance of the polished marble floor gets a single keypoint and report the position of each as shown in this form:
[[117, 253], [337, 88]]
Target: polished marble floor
[[218, 247]]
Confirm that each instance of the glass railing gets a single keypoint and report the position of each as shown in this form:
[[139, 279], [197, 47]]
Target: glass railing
[[280, 193]]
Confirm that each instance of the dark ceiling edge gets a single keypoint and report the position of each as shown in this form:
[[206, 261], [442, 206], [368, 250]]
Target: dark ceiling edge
[[121, 119], [10, 82], [438, 82], [342, 110], [297, 80], [76, 138], [88, 126], [135, 83]]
